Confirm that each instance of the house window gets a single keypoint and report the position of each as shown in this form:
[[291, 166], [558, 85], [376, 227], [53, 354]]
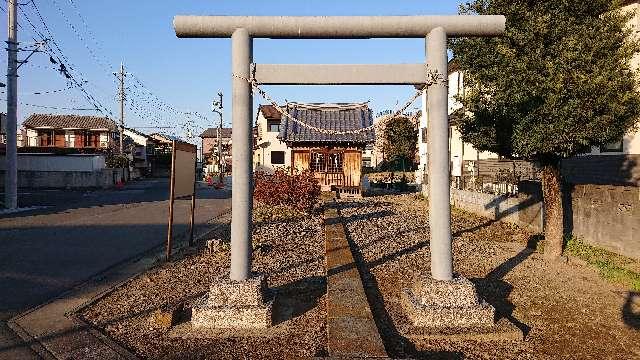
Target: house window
[[273, 126], [326, 162], [615, 146], [277, 157], [69, 139], [46, 139], [424, 135]]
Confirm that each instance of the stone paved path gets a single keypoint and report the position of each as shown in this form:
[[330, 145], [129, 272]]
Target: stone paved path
[[352, 331]]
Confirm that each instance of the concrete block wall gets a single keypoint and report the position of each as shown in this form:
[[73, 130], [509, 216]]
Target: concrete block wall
[[525, 210], [58, 163], [104, 178], [603, 170], [606, 216]]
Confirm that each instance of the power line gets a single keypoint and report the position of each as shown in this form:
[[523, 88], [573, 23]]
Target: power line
[[61, 58], [82, 39], [43, 92], [52, 107]]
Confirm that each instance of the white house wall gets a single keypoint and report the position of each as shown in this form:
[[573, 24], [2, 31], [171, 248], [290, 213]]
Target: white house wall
[[422, 144], [262, 155], [456, 88]]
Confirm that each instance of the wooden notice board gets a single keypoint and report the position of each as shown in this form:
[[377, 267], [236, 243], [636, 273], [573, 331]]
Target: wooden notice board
[[185, 170], [183, 183]]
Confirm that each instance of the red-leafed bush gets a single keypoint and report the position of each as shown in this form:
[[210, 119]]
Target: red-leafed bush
[[300, 191]]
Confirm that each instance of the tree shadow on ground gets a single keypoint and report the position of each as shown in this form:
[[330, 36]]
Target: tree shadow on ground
[[495, 290], [630, 316]]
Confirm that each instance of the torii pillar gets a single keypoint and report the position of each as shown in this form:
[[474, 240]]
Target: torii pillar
[[237, 299]]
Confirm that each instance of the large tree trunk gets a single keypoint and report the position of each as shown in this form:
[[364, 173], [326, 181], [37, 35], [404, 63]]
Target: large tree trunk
[[553, 212]]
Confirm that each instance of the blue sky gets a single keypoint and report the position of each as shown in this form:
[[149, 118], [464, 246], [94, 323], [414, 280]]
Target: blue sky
[[187, 73]]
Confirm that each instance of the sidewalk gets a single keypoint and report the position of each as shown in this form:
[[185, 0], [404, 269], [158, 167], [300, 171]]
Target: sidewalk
[[55, 249]]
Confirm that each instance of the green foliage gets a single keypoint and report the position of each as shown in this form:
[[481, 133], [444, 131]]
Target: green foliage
[[612, 267], [558, 81], [299, 191], [400, 143], [117, 161]]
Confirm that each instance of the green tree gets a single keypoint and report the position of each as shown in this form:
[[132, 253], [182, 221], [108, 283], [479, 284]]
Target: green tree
[[400, 142], [557, 82]]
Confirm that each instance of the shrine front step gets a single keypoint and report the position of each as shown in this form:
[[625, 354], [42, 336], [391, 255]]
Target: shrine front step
[[352, 332]]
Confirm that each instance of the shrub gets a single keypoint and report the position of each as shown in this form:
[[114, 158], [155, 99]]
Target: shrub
[[117, 161], [299, 191]]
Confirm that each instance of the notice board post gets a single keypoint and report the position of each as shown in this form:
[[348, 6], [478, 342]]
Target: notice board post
[[182, 184]]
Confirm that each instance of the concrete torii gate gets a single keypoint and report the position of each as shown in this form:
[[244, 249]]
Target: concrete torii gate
[[435, 30]]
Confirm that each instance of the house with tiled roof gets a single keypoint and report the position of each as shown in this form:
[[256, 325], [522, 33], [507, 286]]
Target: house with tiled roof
[[69, 131], [210, 148], [326, 139]]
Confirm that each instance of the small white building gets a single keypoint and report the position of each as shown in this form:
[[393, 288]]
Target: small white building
[[269, 152], [459, 151]]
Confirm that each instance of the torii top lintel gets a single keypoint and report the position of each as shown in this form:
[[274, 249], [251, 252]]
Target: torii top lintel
[[338, 27]]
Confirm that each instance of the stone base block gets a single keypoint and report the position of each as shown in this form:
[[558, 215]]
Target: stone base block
[[479, 315], [234, 305], [231, 317], [250, 292], [458, 292], [446, 304]]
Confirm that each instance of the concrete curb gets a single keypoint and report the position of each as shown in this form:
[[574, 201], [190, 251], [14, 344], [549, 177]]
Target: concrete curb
[[80, 339]]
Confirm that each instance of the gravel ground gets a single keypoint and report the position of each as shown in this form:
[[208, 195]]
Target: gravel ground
[[291, 253], [566, 310]]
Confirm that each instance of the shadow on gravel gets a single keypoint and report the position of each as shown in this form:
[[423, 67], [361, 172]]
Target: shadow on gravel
[[630, 317], [395, 344], [496, 291], [348, 204], [368, 216], [296, 298]]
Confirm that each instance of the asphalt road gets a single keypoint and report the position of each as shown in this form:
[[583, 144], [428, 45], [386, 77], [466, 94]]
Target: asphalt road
[[78, 234]]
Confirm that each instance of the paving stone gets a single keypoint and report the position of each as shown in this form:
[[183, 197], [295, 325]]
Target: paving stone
[[351, 329]]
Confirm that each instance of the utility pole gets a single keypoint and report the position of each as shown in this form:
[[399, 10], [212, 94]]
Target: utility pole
[[11, 168], [122, 98], [217, 108]]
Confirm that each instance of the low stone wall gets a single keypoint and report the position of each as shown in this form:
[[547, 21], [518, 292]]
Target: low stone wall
[[525, 211], [58, 163], [602, 170], [606, 216], [104, 178]]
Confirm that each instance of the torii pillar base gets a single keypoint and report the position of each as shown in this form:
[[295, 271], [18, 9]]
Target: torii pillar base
[[451, 303], [451, 310], [234, 305]]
